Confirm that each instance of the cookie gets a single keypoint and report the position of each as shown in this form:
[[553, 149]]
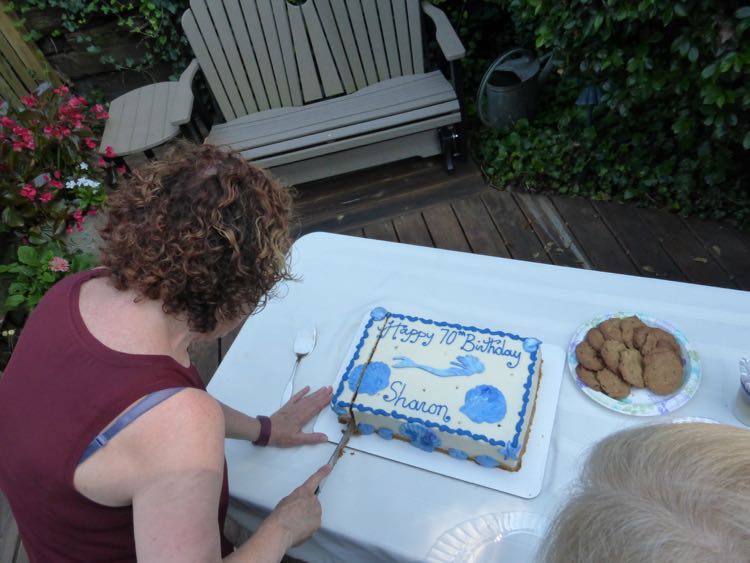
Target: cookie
[[656, 337], [627, 327], [587, 357], [662, 372], [611, 329], [639, 336], [588, 377], [610, 353], [631, 367], [595, 338], [612, 384]]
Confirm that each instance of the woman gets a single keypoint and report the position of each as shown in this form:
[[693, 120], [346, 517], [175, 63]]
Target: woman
[[667, 493], [111, 447]]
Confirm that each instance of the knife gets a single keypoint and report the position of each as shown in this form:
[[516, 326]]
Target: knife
[[339, 451]]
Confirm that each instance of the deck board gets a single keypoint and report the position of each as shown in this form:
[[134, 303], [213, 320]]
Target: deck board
[[601, 246], [478, 227], [693, 259], [649, 257], [515, 228], [412, 229], [445, 229]]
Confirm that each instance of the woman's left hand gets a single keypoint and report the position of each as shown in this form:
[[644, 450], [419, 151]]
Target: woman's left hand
[[287, 422]]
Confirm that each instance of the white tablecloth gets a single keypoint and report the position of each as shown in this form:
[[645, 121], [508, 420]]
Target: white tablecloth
[[379, 510]]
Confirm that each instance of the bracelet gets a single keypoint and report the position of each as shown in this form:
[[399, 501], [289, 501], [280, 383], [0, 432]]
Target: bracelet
[[265, 431]]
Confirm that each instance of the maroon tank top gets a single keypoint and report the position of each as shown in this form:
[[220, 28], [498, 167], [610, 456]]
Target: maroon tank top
[[60, 389]]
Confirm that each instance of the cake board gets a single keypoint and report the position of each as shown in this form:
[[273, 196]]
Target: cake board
[[524, 483]]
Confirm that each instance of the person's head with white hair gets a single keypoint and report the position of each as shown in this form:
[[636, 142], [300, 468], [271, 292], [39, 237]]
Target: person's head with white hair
[[666, 493]]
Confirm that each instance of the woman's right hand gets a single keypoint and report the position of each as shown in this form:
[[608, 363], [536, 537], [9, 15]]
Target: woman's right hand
[[298, 514]]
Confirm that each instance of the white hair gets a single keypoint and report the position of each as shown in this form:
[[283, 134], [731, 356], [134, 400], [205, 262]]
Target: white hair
[[663, 493]]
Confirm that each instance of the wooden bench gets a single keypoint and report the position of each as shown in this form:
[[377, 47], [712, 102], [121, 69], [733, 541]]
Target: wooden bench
[[328, 86]]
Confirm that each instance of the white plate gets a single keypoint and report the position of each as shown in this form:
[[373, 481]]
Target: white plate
[[524, 483], [642, 402], [504, 536]]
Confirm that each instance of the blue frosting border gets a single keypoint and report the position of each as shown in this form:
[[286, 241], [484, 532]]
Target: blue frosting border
[[513, 446]]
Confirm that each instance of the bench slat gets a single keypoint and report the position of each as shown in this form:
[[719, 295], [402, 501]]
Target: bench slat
[[357, 129], [329, 76], [389, 38], [200, 50], [237, 19], [337, 48], [353, 142], [393, 96], [376, 38], [363, 44]]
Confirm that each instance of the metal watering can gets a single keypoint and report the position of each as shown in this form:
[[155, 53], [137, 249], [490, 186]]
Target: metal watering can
[[511, 85]]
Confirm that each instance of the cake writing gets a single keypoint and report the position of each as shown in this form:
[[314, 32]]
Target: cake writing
[[465, 340], [399, 399], [494, 346]]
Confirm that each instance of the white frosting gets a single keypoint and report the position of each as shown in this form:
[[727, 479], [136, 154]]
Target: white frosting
[[442, 386]]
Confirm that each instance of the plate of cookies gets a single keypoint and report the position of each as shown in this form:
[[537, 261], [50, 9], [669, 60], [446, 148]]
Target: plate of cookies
[[634, 364]]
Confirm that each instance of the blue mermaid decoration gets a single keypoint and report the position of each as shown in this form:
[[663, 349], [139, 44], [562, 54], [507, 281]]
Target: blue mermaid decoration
[[461, 366]]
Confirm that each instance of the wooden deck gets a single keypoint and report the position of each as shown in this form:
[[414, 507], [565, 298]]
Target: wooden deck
[[416, 202]]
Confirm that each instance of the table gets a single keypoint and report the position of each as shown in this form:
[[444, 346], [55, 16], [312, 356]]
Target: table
[[378, 510]]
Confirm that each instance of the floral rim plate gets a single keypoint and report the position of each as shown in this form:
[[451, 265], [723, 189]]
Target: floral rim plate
[[502, 536], [642, 402]]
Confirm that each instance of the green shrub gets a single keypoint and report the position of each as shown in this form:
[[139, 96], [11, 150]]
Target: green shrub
[[672, 126], [156, 23]]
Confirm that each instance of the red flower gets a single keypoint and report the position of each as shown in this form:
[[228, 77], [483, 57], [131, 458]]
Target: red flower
[[28, 191], [121, 169], [101, 163], [56, 184], [109, 152], [57, 174], [100, 112], [28, 101], [46, 197], [60, 90], [90, 143], [7, 121]]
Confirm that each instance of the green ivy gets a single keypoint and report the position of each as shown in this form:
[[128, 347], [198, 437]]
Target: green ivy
[[156, 23], [671, 129]]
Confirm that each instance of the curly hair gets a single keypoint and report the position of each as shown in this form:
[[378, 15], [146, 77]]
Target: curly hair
[[203, 231]]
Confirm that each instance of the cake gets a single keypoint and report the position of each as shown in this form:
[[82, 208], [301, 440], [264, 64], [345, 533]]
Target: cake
[[465, 391]]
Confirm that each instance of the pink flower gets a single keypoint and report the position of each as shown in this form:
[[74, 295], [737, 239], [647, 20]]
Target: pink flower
[[68, 229], [46, 197], [28, 101], [7, 122], [78, 215], [55, 184], [101, 163], [28, 191], [90, 143], [109, 152], [57, 174], [121, 169], [58, 264], [100, 112], [60, 90]]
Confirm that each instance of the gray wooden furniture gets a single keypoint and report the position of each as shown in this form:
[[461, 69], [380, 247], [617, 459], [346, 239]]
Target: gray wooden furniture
[[148, 116], [328, 86]]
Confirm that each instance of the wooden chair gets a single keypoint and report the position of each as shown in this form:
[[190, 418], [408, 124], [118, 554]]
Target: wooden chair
[[327, 86]]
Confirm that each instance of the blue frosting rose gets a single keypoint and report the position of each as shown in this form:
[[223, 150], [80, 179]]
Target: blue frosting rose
[[376, 378], [484, 403], [421, 437], [531, 344]]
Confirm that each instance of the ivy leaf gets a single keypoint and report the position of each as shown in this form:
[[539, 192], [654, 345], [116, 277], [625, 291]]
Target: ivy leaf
[[693, 54], [13, 301], [746, 141], [27, 255], [12, 218], [680, 10], [709, 71]]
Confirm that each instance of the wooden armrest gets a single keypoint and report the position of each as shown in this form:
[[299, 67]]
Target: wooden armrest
[[182, 104], [447, 37]]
